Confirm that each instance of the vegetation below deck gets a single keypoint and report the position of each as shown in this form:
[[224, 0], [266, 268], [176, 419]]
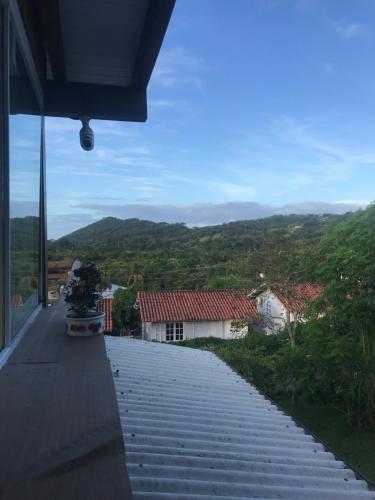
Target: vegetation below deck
[[259, 359]]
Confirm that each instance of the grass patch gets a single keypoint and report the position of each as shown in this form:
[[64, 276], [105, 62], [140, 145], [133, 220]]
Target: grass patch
[[355, 446]]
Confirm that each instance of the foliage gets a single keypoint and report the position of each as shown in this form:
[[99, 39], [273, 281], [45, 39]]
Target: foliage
[[330, 426], [225, 282], [206, 343], [329, 359], [342, 342], [173, 256], [24, 256], [125, 316], [82, 291], [270, 363]]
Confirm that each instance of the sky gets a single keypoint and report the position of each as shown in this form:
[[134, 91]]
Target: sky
[[255, 107]]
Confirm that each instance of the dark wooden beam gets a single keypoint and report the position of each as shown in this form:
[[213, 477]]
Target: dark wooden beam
[[34, 35], [48, 12], [155, 26], [104, 102]]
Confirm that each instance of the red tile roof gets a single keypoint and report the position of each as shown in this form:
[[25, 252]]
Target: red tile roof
[[194, 305], [105, 305], [299, 296]]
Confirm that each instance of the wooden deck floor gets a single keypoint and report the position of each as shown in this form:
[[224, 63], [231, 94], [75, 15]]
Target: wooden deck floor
[[60, 433]]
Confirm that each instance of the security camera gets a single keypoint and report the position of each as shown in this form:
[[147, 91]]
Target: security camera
[[86, 134]]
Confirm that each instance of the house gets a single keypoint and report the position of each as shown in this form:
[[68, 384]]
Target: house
[[273, 304], [187, 314], [109, 292], [59, 273]]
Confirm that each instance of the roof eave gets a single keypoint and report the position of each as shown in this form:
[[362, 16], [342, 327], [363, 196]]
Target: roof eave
[[106, 102], [103, 102]]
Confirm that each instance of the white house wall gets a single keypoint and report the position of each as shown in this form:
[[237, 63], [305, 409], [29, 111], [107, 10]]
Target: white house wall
[[194, 329], [272, 311]]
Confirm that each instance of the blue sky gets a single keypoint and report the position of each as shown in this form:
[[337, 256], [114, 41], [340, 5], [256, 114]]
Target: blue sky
[[255, 107]]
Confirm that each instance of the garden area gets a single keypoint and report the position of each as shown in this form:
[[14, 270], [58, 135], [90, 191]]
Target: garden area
[[263, 360]]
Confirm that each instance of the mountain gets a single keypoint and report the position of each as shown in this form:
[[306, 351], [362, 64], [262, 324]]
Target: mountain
[[111, 231], [176, 256]]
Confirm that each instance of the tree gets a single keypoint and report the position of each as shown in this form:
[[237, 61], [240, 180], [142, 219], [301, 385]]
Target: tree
[[125, 316], [276, 266], [225, 282], [342, 342]]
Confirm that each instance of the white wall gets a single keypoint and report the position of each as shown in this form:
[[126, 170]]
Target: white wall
[[272, 312], [194, 329]]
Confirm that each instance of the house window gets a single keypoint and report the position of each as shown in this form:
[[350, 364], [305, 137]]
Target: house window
[[174, 331], [179, 331], [169, 331]]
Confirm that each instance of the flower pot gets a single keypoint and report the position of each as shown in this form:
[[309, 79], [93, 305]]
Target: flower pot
[[86, 326]]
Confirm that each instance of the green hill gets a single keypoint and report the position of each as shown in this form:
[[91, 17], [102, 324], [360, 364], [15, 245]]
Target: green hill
[[176, 256]]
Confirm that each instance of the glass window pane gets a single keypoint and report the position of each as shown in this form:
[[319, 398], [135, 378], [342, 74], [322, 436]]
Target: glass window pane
[[169, 331], [2, 170], [179, 331], [24, 174]]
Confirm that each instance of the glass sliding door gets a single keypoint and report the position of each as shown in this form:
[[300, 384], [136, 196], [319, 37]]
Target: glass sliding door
[[3, 180], [24, 189]]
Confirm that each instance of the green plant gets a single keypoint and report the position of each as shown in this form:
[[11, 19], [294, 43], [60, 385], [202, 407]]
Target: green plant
[[82, 292], [125, 315]]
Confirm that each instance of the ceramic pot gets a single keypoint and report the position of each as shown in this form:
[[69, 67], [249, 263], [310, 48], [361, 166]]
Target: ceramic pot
[[86, 326]]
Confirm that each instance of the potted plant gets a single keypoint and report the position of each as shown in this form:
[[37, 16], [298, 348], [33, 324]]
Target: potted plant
[[82, 297]]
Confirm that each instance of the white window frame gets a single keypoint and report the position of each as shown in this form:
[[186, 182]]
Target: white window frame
[[174, 332], [179, 331], [169, 332]]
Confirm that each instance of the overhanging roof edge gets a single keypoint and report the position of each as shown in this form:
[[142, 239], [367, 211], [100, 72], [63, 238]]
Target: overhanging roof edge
[[103, 102]]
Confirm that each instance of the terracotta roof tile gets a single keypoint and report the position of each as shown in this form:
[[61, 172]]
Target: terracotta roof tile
[[300, 295], [194, 305], [105, 305]]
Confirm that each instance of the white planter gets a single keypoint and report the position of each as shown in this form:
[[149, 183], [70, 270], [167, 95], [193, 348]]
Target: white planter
[[85, 326]]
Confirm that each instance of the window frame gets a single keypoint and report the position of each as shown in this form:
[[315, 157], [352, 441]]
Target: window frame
[[179, 331], [169, 332], [10, 16], [174, 331]]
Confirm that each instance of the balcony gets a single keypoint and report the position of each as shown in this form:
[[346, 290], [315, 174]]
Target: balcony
[[60, 428]]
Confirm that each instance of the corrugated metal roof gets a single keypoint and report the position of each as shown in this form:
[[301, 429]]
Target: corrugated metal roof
[[194, 429], [195, 305]]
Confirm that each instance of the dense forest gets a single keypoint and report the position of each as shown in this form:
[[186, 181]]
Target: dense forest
[[162, 255]]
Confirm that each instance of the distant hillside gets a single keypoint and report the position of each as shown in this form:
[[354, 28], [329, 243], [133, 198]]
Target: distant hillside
[[118, 232], [176, 256], [130, 233]]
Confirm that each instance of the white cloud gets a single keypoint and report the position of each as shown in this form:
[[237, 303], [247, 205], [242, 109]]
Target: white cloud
[[360, 203], [161, 103], [178, 66], [233, 190], [350, 30], [302, 134]]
